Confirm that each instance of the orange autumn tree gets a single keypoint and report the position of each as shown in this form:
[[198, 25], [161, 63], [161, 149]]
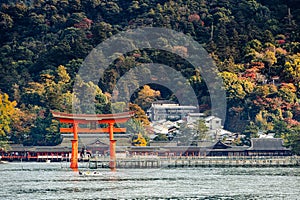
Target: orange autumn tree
[[146, 96]]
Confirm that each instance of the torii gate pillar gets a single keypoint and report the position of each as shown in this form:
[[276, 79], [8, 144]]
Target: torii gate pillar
[[112, 147], [74, 156]]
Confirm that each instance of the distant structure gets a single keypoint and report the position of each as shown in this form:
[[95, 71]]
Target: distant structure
[[99, 144], [168, 110], [268, 146], [92, 120], [194, 117], [213, 122]]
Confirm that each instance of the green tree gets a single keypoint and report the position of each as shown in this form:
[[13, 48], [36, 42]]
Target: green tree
[[161, 137], [292, 139], [288, 92], [185, 136], [201, 129], [88, 90], [251, 131], [134, 126], [280, 128], [45, 130], [53, 91], [6, 22], [22, 122]]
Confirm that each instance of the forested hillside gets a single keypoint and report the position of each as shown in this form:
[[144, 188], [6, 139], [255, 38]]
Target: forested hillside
[[255, 43]]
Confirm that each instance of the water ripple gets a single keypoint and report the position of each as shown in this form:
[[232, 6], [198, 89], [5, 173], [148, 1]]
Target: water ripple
[[45, 182]]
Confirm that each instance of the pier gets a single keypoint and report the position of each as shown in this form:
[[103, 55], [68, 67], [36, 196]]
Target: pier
[[175, 162]]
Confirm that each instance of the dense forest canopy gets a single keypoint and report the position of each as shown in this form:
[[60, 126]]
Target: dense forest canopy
[[255, 44]]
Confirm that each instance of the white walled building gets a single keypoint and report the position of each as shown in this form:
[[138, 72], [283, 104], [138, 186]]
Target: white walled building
[[194, 117], [213, 122], [166, 110]]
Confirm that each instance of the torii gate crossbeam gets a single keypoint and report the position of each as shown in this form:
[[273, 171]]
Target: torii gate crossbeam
[[76, 119]]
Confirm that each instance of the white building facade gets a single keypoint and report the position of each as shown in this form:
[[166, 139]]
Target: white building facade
[[169, 111]]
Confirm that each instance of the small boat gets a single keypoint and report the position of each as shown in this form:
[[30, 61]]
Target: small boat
[[48, 161], [88, 173]]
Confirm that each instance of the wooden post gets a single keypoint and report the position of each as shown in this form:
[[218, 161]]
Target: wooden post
[[112, 147], [74, 156]]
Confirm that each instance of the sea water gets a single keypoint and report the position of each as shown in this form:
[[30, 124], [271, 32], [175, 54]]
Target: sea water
[[22, 181]]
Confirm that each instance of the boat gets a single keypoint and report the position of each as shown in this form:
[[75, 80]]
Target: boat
[[88, 173], [48, 161]]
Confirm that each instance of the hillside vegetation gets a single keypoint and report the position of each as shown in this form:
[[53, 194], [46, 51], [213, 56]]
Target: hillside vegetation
[[255, 43]]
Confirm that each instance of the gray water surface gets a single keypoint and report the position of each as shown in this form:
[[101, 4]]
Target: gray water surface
[[22, 181]]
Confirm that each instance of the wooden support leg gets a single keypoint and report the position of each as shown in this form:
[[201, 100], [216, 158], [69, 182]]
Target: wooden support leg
[[74, 157], [112, 163], [112, 148]]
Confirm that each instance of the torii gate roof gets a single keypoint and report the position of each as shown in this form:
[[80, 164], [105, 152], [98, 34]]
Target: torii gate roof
[[87, 118]]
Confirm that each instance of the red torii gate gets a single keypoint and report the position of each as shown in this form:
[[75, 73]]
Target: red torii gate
[[93, 119]]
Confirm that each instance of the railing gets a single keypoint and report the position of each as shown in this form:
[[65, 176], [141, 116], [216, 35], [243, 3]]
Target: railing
[[34, 157], [195, 161]]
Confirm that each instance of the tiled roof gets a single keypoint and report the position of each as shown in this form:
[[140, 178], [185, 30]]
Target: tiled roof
[[275, 144], [163, 102], [205, 144], [96, 140], [163, 143], [18, 147], [220, 145], [49, 149], [233, 149]]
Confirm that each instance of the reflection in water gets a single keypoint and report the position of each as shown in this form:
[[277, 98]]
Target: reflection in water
[[52, 181]]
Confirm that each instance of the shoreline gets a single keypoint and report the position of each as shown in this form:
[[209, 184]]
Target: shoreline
[[183, 162]]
